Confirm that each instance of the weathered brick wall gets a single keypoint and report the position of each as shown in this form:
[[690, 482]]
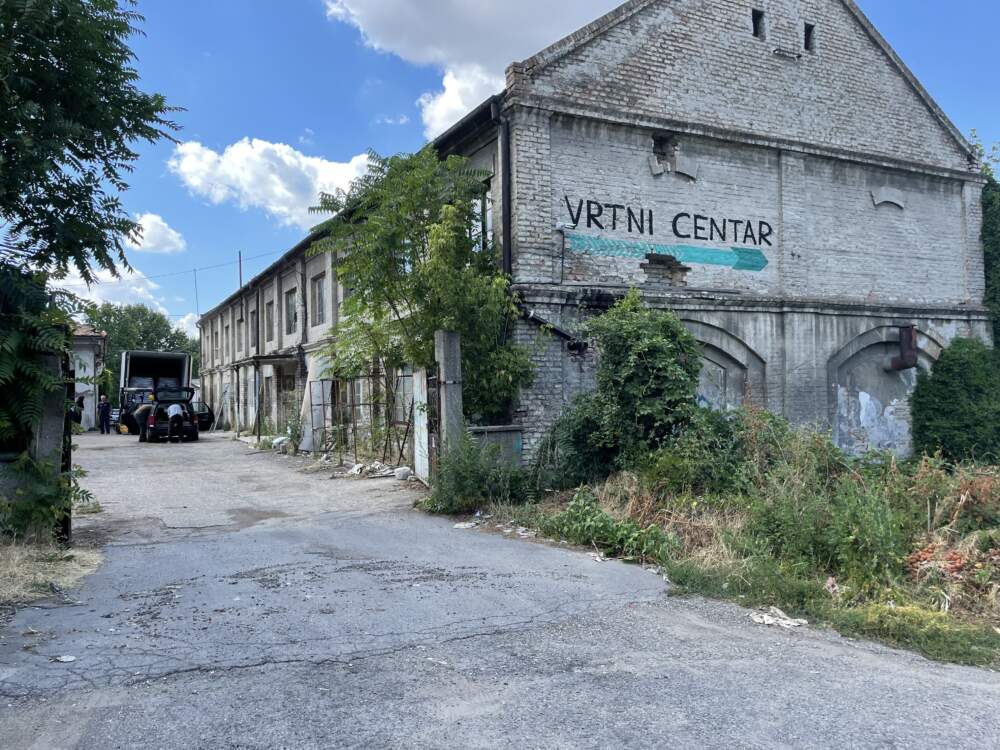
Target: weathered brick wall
[[697, 62], [828, 238], [823, 366], [800, 142]]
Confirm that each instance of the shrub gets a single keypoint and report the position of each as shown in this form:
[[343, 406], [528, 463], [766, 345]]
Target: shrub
[[956, 408], [575, 452], [472, 475], [647, 376]]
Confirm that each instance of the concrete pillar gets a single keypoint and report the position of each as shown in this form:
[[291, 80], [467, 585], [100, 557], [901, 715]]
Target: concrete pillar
[[448, 353], [421, 432]]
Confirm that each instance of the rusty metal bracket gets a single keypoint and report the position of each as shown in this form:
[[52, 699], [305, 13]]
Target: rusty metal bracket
[[907, 358]]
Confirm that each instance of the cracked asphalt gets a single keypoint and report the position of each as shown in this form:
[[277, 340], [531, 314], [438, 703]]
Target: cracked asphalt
[[245, 604]]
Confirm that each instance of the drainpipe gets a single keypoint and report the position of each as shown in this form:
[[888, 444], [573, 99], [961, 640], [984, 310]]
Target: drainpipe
[[506, 170], [907, 358]]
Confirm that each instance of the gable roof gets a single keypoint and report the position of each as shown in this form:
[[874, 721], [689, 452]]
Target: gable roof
[[583, 36]]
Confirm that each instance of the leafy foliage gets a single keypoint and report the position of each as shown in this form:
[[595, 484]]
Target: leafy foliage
[[991, 249], [411, 247], [69, 114], [137, 327], [991, 228], [585, 523], [956, 408], [647, 377], [34, 336], [34, 333], [473, 475]]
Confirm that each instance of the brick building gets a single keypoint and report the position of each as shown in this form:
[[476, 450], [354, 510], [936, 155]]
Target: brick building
[[769, 169], [262, 346]]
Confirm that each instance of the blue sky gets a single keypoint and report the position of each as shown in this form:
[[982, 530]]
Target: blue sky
[[280, 97]]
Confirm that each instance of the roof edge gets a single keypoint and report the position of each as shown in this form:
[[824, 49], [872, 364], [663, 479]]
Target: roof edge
[[302, 246], [925, 95], [582, 36], [470, 123], [623, 12]]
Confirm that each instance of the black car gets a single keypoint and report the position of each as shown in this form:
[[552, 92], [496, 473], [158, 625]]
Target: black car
[[194, 417]]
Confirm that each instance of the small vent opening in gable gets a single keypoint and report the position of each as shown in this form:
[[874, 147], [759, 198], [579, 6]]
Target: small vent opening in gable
[[810, 37], [757, 19]]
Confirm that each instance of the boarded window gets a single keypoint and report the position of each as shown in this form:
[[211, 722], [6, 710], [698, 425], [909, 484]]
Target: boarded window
[[291, 312], [317, 300]]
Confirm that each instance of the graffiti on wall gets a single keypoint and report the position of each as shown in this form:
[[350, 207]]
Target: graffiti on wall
[[745, 237], [737, 258]]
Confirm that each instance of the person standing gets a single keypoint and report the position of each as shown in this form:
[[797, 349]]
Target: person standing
[[175, 420], [104, 415], [141, 415]]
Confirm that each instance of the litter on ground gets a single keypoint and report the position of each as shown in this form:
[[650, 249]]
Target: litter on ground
[[774, 616]]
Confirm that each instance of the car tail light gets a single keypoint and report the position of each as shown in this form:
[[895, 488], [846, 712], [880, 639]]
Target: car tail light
[[152, 420]]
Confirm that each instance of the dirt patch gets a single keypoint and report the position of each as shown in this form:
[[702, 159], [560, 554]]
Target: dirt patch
[[29, 572]]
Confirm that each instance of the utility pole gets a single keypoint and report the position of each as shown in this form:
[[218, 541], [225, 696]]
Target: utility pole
[[197, 307], [240, 255]]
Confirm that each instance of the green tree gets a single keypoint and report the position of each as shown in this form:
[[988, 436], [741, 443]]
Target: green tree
[[989, 159], [991, 249], [956, 408], [647, 378], [70, 112], [411, 247], [137, 327]]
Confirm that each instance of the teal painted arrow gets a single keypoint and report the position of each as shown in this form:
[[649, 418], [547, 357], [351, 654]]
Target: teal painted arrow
[[737, 258]]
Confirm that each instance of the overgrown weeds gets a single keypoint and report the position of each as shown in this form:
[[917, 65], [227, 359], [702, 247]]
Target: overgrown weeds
[[474, 474], [30, 571], [741, 505], [908, 553]]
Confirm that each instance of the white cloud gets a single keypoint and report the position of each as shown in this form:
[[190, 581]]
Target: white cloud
[[130, 289], [307, 139], [156, 236], [253, 173], [472, 43], [464, 87], [189, 324]]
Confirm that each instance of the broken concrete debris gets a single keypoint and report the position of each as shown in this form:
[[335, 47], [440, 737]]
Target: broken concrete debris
[[374, 470]]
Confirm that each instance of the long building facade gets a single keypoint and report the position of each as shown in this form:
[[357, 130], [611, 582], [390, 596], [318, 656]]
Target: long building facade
[[263, 345], [768, 169]]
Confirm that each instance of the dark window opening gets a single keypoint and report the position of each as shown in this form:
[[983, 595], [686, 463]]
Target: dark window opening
[[810, 40], [757, 16]]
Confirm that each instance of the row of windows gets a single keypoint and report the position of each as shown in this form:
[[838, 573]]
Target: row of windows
[[317, 317]]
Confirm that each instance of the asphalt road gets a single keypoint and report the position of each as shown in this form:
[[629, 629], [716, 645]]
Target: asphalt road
[[244, 604]]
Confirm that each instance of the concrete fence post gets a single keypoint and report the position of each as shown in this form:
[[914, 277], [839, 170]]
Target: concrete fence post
[[448, 353], [421, 431]]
